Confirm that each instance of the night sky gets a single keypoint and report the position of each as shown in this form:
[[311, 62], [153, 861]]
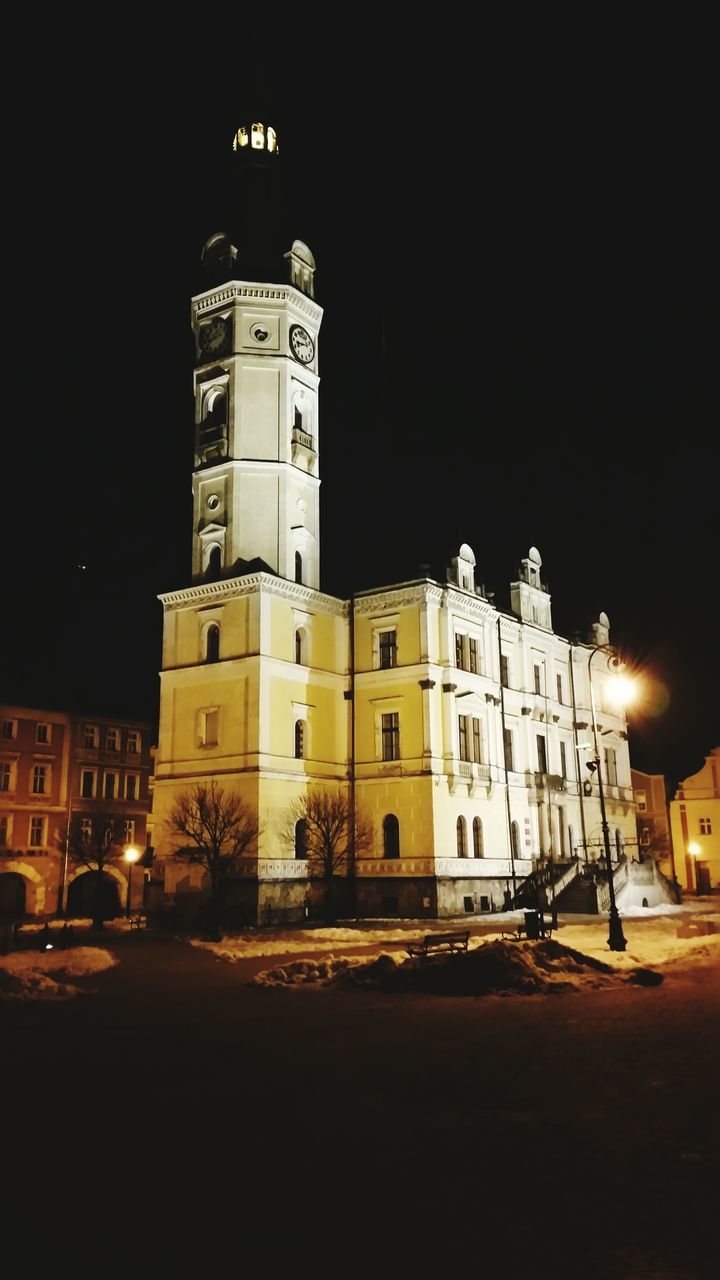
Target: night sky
[[517, 258]]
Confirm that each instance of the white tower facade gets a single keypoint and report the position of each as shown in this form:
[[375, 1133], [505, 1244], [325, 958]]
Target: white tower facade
[[256, 473]]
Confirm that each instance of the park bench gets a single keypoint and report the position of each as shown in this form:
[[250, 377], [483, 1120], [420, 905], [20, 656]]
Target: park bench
[[137, 922], [439, 944], [533, 926]]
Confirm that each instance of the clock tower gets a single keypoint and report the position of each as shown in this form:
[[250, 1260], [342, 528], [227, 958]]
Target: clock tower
[[256, 481]]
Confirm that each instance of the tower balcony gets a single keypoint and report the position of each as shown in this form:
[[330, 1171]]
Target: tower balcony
[[303, 451]]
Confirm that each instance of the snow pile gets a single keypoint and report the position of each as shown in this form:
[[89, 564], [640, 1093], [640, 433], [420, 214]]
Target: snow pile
[[299, 942], [497, 967], [25, 975]]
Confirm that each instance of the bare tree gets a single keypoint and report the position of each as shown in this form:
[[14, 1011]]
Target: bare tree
[[220, 828], [319, 825], [93, 843]]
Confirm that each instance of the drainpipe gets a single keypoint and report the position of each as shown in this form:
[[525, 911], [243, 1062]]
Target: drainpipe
[[507, 779]]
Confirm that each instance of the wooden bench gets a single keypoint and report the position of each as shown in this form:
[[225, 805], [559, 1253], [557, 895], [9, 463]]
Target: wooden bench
[[533, 926], [137, 922], [439, 944]]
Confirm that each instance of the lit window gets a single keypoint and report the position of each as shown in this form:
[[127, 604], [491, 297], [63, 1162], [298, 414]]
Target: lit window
[[240, 139], [388, 649], [705, 827], [129, 831], [641, 800], [86, 830], [37, 832], [87, 783], [390, 733], [271, 139], [461, 830], [42, 732], [391, 836], [257, 134], [40, 780]]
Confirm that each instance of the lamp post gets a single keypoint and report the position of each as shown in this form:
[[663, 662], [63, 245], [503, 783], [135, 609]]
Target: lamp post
[[616, 938], [694, 851], [131, 856]]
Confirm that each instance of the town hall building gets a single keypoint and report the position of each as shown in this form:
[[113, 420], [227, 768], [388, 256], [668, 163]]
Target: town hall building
[[461, 732]]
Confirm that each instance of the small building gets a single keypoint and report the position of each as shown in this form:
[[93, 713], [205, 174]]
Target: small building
[[695, 827], [653, 820]]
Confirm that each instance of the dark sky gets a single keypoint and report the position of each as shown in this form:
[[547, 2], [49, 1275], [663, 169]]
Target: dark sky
[[516, 242]]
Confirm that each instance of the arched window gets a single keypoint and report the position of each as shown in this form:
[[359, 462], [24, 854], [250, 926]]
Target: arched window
[[515, 839], [300, 646], [214, 562], [299, 739], [216, 409], [301, 838], [212, 643], [461, 838], [298, 567], [478, 847], [391, 836]]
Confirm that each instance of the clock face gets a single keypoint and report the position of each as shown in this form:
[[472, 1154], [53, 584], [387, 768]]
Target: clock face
[[301, 344], [213, 336]]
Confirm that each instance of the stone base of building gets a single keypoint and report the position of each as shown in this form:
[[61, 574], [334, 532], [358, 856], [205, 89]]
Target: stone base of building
[[417, 897]]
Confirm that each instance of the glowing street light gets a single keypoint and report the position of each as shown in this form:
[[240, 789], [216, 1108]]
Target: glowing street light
[[621, 691], [131, 856]]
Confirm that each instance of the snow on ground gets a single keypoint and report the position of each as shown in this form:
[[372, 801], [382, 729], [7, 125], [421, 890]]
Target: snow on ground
[[25, 975]]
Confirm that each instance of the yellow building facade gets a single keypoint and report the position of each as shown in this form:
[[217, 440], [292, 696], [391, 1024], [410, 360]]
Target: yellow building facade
[[460, 731], [695, 826]]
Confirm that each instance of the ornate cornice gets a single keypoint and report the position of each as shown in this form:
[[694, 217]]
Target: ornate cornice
[[245, 291], [398, 596], [234, 588]]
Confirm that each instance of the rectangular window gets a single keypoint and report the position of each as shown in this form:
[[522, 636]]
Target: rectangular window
[[459, 655], [5, 776], [559, 688], [90, 735], [209, 722], [645, 836], [391, 736], [132, 786], [504, 671], [705, 827], [110, 786], [37, 832], [463, 737], [40, 780], [129, 831], [641, 800], [4, 830], [112, 740], [610, 766], [87, 783], [508, 747], [388, 649], [42, 732], [9, 730], [536, 678], [473, 655], [133, 741], [477, 743], [541, 753], [563, 760], [86, 830]]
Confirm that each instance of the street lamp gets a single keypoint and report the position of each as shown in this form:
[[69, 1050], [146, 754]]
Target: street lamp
[[616, 938], [130, 855], [694, 850]]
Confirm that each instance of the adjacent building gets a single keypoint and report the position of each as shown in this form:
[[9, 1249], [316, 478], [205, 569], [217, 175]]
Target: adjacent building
[[57, 772], [695, 827], [653, 820]]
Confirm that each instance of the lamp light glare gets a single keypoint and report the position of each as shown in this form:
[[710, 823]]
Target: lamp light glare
[[621, 690]]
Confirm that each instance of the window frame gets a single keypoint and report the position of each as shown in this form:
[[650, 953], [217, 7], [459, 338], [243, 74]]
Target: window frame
[[389, 736]]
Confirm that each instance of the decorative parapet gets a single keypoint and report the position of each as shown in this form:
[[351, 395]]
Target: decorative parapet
[[232, 588], [249, 291]]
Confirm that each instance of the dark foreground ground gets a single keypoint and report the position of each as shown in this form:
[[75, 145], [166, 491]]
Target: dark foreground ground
[[179, 1119]]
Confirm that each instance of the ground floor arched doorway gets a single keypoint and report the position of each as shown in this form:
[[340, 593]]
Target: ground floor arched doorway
[[12, 894], [82, 900]]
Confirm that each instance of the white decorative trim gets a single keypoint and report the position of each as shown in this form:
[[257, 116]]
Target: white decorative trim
[[399, 597], [238, 291], [235, 588]]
